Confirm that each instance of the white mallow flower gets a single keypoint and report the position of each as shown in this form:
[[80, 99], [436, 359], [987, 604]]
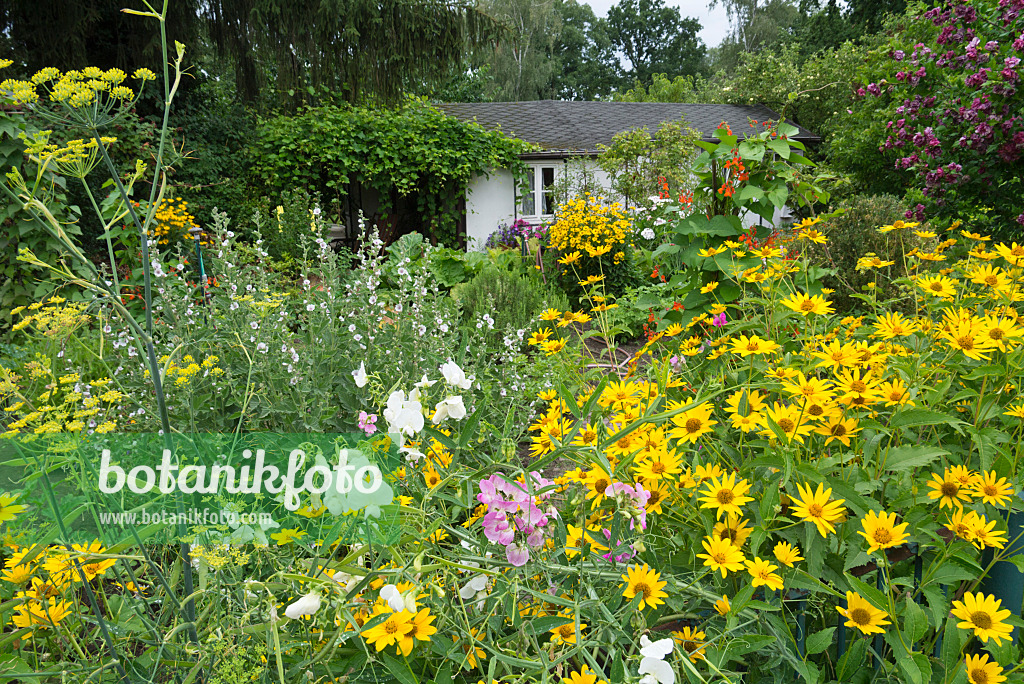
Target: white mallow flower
[[404, 417], [393, 597], [455, 376], [307, 605], [452, 407], [359, 375]]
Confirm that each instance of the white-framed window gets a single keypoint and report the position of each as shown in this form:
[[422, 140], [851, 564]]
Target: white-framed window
[[538, 199]]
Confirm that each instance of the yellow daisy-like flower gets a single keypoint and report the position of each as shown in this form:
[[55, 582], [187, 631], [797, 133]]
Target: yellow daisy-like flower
[[938, 286], [692, 642], [787, 554], [570, 258], [982, 614], [838, 429], [981, 671], [722, 606], [709, 288], [806, 305], [646, 583], [1012, 253], [394, 628], [862, 615], [721, 555], [421, 630], [788, 418], [726, 495], [816, 507], [584, 676], [733, 529], [753, 345], [893, 324], [987, 488], [692, 423], [566, 633], [763, 574], [1015, 411], [550, 315], [882, 532], [947, 490]]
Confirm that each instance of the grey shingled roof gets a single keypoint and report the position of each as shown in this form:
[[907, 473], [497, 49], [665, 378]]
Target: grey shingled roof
[[580, 127]]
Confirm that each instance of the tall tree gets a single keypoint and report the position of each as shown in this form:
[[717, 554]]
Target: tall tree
[[754, 24], [520, 66], [585, 64], [361, 49], [655, 39]]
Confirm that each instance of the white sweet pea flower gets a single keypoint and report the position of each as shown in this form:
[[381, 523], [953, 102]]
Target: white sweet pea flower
[[307, 605], [404, 417], [424, 383], [455, 376], [473, 587], [452, 407], [653, 666], [360, 375], [655, 649], [656, 671], [390, 593]]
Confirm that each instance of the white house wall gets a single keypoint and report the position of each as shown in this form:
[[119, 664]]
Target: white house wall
[[491, 202], [491, 199]]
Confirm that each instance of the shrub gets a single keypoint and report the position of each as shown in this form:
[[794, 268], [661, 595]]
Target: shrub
[[511, 300], [854, 234]]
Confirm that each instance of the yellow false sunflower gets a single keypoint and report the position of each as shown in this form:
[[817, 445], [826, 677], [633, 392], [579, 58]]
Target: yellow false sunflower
[[882, 531], [862, 615]]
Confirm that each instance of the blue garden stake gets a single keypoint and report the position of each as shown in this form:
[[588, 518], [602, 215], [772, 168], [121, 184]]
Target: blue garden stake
[[1005, 581], [878, 638], [841, 628], [918, 567], [196, 234]]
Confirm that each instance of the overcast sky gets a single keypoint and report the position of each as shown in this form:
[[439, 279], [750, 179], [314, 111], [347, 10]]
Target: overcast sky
[[715, 23]]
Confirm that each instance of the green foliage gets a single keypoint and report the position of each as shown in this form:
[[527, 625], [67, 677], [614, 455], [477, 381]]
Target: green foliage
[[586, 64], [655, 39], [636, 162], [19, 282], [853, 234], [756, 176], [214, 129], [286, 226], [809, 91], [413, 154], [512, 299]]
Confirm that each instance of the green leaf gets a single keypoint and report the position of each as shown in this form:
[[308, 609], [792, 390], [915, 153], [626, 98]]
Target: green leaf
[[915, 621], [399, 668], [819, 641], [870, 593], [852, 660], [917, 417], [910, 457], [751, 151], [780, 147]]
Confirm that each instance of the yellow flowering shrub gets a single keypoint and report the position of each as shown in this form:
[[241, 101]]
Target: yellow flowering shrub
[[588, 225]]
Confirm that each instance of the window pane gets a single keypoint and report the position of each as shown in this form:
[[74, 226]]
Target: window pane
[[548, 183], [529, 198]]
